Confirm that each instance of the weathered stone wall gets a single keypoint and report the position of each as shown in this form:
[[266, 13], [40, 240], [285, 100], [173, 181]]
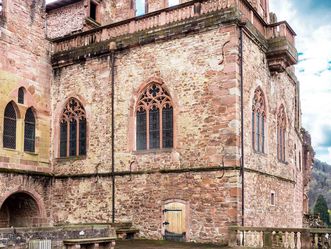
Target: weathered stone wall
[[283, 178], [24, 62], [203, 91], [85, 200], [211, 197], [202, 82], [66, 20], [73, 18], [37, 188]]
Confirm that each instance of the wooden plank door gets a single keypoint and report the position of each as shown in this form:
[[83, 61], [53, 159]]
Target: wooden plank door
[[175, 225]]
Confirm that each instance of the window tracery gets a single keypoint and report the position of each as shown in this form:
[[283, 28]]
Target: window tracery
[[154, 116], [281, 130], [73, 129], [258, 121]]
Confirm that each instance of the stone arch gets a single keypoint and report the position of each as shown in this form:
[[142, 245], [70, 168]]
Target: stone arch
[[22, 209]]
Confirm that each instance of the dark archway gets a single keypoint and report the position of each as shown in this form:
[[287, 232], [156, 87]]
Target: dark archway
[[20, 210]]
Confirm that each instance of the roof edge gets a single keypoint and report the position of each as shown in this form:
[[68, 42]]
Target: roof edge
[[59, 4]]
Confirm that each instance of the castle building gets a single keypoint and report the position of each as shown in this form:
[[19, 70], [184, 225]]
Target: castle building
[[180, 117]]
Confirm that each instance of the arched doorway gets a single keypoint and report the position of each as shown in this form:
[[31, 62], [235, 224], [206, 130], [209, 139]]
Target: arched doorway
[[20, 210]]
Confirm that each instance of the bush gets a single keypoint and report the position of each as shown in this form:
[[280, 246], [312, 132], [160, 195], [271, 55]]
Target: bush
[[321, 208]]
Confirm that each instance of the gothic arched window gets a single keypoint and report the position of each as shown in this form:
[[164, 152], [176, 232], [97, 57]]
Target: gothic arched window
[[73, 129], [154, 112], [21, 92], [29, 131], [281, 129], [258, 121], [9, 127]]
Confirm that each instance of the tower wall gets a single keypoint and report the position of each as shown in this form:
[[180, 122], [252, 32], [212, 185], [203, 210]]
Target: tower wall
[[25, 62]]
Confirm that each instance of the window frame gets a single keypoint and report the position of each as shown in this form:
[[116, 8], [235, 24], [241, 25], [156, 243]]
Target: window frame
[[273, 198], [281, 134], [21, 95], [97, 19], [34, 124], [259, 121], [12, 119], [163, 125], [78, 118], [146, 7]]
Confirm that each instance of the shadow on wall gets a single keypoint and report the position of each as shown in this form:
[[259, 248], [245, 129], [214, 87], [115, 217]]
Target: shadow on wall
[[19, 210]]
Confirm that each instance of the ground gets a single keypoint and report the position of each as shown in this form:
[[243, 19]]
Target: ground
[[146, 244]]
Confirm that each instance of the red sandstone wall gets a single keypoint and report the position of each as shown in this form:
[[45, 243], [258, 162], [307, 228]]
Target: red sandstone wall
[[66, 20], [211, 198], [38, 188], [202, 81], [73, 18], [83, 201], [204, 94], [24, 62], [285, 179]]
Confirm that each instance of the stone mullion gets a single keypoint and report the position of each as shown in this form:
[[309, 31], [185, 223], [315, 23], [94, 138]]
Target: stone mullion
[[258, 131], [253, 129], [68, 137], [262, 132], [278, 142], [283, 148], [147, 129], [77, 137], [161, 126]]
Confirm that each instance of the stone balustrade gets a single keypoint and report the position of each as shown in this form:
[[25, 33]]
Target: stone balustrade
[[281, 29], [259, 237], [169, 16]]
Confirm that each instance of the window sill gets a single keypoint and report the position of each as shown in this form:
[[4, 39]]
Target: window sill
[[260, 153], [31, 153], [153, 151], [71, 158], [283, 162], [92, 22], [9, 149]]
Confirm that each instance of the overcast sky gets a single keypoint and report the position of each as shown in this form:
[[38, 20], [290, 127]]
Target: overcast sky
[[311, 19]]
